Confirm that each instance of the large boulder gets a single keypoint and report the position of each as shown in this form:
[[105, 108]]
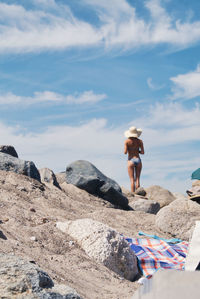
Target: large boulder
[[160, 195], [145, 205], [10, 163], [178, 218], [196, 183], [86, 176], [103, 244], [48, 177], [8, 149], [179, 195], [23, 279]]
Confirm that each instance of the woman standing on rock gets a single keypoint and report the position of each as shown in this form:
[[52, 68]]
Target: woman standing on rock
[[134, 146]]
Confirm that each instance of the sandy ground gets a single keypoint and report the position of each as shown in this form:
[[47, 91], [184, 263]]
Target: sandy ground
[[29, 212]]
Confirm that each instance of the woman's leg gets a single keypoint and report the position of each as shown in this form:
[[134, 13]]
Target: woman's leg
[[131, 175], [138, 169]]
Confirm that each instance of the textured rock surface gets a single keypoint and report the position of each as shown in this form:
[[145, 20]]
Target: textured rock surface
[[71, 190], [48, 177], [10, 163], [160, 195], [86, 176], [140, 191], [103, 244], [8, 149], [29, 212], [127, 193], [196, 183], [179, 195], [145, 205], [178, 218], [61, 177], [22, 279]]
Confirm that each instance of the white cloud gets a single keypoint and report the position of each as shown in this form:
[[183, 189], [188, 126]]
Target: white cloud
[[49, 96], [152, 85], [85, 97], [166, 127], [186, 86], [45, 28], [170, 124]]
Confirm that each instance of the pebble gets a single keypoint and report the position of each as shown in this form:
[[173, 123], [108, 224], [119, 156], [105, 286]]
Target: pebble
[[71, 243], [33, 238]]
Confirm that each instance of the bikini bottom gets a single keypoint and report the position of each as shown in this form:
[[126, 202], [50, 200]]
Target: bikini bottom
[[135, 161]]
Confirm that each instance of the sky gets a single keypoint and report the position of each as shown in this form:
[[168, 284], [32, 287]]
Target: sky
[[76, 74]]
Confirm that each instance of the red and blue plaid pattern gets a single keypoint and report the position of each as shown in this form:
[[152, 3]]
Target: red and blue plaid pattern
[[154, 254]]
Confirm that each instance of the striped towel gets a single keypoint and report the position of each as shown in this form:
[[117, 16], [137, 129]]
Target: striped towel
[[153, 254]]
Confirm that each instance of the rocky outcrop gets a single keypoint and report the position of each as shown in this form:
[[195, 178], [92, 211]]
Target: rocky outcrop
[[61, 177], [10, 163], [179, 195], [127, 193], [196, 183], [145, 205], [8, 149], [103, 244], [178, 218], [48, 177], [23, 279], [86, 176], [163, 196], [140, 191]]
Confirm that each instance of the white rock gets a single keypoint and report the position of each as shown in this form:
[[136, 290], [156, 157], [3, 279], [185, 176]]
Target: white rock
[[178, 218], [103, 244]]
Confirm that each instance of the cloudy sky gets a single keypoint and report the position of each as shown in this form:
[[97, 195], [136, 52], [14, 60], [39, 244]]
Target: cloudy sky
[[75, 74]]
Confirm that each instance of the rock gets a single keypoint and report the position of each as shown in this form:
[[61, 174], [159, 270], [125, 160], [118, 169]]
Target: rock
[[196, 183], [8, 149], [81, 195], [179, 195], [22, 279], [103, 244], [28, 168], [33, 238], [127, 193], [195, 190], [48, 177], [60, 291], [20, 276], [86, 176], [145, 205], [61, 177], [160, 195], [178, 218], [140, 191]]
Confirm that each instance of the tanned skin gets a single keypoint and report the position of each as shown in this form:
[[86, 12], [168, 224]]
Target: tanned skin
[[134, 146]]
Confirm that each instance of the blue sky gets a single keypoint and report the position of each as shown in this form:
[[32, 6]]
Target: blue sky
[[75, 74]]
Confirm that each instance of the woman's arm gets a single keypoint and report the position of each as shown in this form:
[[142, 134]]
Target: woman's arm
[[125, 147], [141, 151]]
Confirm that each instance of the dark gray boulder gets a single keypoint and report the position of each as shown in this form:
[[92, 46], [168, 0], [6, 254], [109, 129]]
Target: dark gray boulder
[[23, 279], [8, 149], [10, 163], [145, 205], [86, 176]]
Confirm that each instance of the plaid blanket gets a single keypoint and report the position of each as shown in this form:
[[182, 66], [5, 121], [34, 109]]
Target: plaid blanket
[[153, 254]]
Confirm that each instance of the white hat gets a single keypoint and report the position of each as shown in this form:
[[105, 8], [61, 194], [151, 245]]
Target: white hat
[[133, 132]]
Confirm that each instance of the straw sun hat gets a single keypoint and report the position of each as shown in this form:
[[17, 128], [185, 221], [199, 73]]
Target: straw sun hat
[[133, 132]]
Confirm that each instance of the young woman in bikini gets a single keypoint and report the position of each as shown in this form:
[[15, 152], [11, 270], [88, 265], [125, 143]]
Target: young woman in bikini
[[134, 146]]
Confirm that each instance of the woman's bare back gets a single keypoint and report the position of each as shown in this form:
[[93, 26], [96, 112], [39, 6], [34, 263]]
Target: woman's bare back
[[134, 147]]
